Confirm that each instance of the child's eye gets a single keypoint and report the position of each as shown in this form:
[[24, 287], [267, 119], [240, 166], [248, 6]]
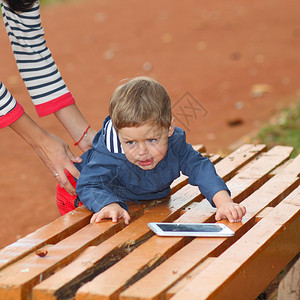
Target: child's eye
[[152, 140], [130, 143]]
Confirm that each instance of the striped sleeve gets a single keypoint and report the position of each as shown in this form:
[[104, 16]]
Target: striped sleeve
[[34, 60], [10, 109]]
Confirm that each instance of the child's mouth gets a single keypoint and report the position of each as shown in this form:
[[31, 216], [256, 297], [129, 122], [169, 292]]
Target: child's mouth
[[147, 162]]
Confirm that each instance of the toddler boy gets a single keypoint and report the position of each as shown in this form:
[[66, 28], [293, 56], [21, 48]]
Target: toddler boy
[[138, 153]]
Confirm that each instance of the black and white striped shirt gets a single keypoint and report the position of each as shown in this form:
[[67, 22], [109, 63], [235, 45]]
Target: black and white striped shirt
[[35, 63]]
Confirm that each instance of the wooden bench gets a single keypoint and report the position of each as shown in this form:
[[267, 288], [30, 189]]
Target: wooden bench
[[114, 261]]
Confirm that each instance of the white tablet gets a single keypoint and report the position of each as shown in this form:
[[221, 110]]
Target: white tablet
[[191, 229]]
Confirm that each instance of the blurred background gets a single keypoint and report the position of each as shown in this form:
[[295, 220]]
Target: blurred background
[[230, 68]]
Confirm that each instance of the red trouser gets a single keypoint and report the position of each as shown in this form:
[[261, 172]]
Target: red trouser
[[65, 201]]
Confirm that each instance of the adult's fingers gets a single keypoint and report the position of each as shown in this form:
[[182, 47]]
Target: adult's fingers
[[74, 158], [64, 182], [69, 165]]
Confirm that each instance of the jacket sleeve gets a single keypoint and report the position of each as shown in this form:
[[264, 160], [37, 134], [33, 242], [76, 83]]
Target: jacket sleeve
[[34, 60], [97, 185], [10, 109], [201, 171]]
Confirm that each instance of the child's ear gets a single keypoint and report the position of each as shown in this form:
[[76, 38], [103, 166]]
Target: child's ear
[[172, 127]]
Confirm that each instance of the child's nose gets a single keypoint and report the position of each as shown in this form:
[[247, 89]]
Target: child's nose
[[142, 150]]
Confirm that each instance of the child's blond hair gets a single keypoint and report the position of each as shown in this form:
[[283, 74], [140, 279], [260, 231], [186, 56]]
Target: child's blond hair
[[139, 101]]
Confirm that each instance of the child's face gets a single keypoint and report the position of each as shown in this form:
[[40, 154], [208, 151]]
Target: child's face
[[145, 146]]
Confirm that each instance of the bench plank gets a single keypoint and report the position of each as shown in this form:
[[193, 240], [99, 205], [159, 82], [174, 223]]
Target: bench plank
[[275, 238], [243, 155], [238, 159], [185, 280], [250, 178], [55, 231], [67, 249], [167, 210], [234, 161], [20, 277], [142, 260], [69, 246], [270, 194], [108, 289], [266, 195], [106, 254], [289, 287], [48, 234]]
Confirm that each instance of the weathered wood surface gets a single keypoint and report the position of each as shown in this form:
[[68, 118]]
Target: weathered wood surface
[[289, 287], [114, 261]]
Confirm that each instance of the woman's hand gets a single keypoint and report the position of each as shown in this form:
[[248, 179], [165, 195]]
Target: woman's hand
[[53, 151], [57, 156]]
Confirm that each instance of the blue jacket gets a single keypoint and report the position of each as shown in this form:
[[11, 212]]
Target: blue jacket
[[107, 177]]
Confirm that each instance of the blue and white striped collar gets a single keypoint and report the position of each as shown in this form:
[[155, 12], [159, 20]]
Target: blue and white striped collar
[[111, 138]]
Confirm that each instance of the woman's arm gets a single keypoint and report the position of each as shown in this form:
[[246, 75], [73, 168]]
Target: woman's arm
[[75, 123], [54, 152], [40, 74], [10, 109], [48, 93], [35, 63]]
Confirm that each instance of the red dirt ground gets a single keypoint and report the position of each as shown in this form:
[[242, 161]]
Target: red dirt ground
[[208, 54]]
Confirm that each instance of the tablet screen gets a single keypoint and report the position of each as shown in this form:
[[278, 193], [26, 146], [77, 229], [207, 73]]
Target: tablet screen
[[190, 227]]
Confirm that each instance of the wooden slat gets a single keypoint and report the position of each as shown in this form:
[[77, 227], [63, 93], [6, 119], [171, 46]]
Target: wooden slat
[[17, 280], [14, 281], [104, 280], [143, 259], [266, 195], [85, 237], [233, 162], [179, 285], [55, 231], [244, 154], [263, 213], [271, 193], [167, 210], [275, 238], [182, 180], [250, 178], [48, 234], [245, 182], [238, 158], [67, 280], [52, 232], [182, 283], [199, 148]]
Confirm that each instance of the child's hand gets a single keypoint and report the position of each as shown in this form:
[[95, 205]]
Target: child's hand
[[227, 209], [111, 211], [231, 211]]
